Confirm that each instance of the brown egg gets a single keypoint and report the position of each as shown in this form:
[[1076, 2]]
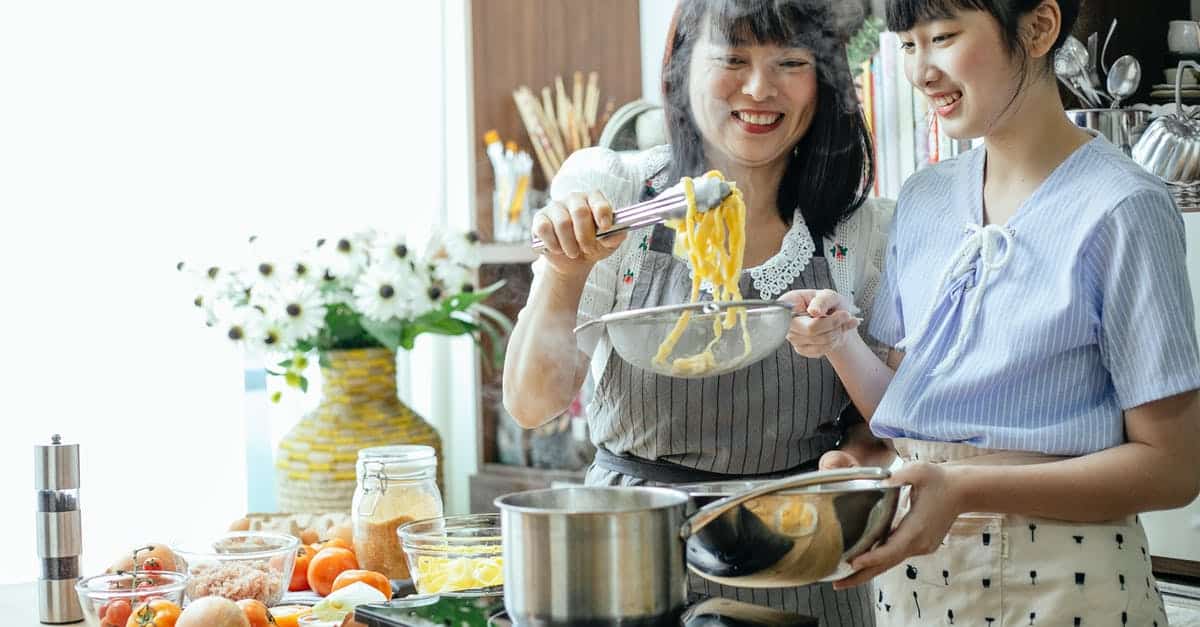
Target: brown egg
[[309, 536], [241, 524], [154, 557], [343, 531]]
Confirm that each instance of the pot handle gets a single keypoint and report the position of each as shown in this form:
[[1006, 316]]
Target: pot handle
[[1179, 85], [716, 509]]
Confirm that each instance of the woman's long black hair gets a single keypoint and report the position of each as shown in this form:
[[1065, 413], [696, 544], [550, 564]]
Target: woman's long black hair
[[903, 15], [831, 170]]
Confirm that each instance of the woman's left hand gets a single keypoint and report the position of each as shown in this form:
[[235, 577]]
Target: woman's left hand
[[934, 505], [824, 329]]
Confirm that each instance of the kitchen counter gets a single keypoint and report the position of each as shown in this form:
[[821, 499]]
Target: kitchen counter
[[18, 605]]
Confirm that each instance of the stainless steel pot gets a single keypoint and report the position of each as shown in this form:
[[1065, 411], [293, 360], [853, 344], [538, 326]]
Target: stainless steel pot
[[600, 555], [1122, 127]]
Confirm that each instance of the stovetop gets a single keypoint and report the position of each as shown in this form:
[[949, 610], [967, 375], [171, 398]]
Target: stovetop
[[488, 611]]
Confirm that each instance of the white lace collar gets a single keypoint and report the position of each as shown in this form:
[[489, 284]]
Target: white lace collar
[[776, 275]]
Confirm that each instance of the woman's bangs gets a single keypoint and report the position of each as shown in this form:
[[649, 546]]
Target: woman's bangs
[[903, 15], [786, 23]]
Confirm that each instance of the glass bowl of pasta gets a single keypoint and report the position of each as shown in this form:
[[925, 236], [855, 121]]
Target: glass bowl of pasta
[[697, 340]]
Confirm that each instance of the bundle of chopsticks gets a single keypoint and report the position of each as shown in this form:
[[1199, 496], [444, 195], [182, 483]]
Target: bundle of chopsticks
[[559, 124]]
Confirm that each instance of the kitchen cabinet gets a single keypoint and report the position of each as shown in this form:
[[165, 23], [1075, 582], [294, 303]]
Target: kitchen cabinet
[[530, 42]]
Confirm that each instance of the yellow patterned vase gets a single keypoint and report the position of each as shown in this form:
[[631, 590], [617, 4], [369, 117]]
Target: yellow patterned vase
[[359, 408]]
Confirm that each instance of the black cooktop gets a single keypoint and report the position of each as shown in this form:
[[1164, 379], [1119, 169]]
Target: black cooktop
[[488, 611]]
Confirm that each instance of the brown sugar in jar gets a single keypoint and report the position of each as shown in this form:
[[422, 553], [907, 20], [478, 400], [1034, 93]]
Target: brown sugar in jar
[[396, 485]]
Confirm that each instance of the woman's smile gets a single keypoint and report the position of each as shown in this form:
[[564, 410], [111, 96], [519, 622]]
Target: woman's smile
[[756, 121]]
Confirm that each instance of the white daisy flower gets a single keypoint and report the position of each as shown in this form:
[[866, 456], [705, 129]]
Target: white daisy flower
[[391, 251], [271, 337], [455, 247], [266, 261], [306, 268], [345, 258], [239, 324], [454, 278], [298, 308], [383, 294]]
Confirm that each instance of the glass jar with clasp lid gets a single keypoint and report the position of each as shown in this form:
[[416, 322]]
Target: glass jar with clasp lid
[[396, 485]]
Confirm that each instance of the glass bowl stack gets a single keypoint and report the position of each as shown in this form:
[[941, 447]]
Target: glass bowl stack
[[455, 554], [108, 600]]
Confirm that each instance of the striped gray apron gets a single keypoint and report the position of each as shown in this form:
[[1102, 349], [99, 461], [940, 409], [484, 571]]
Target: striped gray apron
[[768, 417]]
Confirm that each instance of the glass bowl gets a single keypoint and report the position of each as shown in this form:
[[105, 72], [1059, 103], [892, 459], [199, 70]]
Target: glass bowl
[[454, 554], [239, 565], [105, 597]]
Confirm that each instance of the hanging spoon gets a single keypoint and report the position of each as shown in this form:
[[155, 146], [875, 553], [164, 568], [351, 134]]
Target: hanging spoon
[[1124, 79], [1104, 51]]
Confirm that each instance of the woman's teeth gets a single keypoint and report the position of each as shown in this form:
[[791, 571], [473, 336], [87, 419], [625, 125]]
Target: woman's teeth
[[948, 99], [763, 119]]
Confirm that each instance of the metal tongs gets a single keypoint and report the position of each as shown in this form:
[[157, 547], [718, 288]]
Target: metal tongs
[[672, 204]]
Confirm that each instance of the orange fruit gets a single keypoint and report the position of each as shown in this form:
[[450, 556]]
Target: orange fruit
[[326, 565], [289, 615], [379, 581]]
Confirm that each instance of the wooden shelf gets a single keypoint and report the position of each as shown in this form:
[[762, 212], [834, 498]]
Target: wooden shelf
[[531, 42], [517, 252]]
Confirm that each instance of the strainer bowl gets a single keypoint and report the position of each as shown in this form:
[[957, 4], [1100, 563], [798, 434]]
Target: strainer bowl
[[636, 335]]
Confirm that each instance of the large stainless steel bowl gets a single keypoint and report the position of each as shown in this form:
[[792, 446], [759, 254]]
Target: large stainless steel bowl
[[789, 538]]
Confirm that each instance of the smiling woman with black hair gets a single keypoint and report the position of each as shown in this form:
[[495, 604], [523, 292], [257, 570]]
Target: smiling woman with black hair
[[760, 90], [1044, 352]]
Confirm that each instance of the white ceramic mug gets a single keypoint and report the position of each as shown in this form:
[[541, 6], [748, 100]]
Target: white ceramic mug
[[1183, 36]]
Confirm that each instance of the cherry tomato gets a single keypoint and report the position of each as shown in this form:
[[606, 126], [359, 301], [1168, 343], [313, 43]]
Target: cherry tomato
[[379, 581], [326, 565], [115, 613], [154, 613], [300, 571]]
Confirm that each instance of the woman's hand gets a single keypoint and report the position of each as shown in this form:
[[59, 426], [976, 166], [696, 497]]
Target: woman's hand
[[826, 328], [569, 229], [934, 505]]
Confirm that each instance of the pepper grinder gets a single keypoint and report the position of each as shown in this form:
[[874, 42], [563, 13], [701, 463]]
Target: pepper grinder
[[59, 530]]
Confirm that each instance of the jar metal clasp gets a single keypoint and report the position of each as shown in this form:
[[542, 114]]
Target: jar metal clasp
[[373, 470]]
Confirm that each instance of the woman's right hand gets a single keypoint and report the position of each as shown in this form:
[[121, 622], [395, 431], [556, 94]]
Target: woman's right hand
[[568, 230]]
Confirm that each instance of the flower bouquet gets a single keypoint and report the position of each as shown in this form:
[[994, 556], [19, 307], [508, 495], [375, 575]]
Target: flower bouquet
[[360, 291]]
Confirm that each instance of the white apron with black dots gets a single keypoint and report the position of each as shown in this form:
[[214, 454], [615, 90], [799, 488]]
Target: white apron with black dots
[[1004, 570]]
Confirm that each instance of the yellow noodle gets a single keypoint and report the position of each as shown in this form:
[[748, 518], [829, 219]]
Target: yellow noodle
[[714, 243]]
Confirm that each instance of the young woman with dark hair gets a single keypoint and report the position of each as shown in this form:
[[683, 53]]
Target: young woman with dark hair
[[760, 90], [1041, 389]]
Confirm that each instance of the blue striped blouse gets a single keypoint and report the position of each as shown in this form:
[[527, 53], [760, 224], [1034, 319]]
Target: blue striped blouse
[[1036, 335]]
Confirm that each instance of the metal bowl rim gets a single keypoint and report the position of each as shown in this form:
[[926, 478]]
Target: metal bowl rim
[[751, 305], [506, 506], [727, 488]]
